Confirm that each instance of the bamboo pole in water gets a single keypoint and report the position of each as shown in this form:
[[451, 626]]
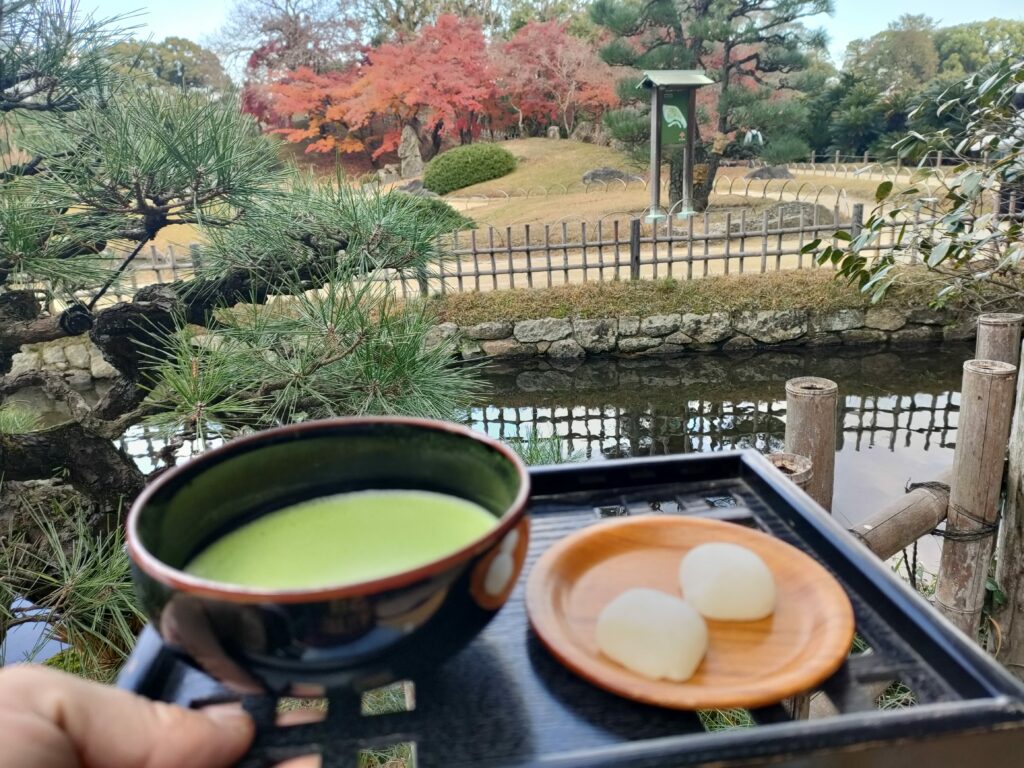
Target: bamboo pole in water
[[811, 431], [986, 405], [999, 337], [797, 469], [906, 519]]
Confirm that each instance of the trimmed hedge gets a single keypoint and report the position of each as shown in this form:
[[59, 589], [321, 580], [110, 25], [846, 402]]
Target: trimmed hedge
[[464, 166]]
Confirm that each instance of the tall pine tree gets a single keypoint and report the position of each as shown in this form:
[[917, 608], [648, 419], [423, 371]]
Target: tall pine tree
[[749, 47]]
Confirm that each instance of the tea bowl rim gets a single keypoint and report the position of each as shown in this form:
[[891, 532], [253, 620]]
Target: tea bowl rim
[[179, 580]]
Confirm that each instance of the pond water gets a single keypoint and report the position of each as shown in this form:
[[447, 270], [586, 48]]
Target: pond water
[[898, 411]]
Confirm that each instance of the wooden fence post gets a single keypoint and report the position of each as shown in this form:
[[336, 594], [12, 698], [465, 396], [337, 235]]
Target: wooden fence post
[[634, 249], [999, 337], [856, 219], [811, 431], [986, 404]]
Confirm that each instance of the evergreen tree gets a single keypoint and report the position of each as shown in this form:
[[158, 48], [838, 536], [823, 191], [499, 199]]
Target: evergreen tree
[[749, 47], [107, 167]]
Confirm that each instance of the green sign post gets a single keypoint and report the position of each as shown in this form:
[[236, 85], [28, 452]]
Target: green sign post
[[673, 119]]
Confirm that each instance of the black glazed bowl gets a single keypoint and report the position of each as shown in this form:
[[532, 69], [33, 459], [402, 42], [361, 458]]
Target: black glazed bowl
[[302, 642]]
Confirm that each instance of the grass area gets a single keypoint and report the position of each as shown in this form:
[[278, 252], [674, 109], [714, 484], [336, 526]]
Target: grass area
[[798, 289], [548, 163]]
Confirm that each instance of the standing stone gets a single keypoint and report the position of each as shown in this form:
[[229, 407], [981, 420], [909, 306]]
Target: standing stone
[[409, 153], [554, 132]]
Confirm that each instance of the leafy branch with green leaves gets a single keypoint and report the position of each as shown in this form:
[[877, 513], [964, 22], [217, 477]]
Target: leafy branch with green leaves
[[962, 224]]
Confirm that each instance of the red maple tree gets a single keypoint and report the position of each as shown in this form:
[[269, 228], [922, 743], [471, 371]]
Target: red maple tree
[[547, 75], [441, 80]]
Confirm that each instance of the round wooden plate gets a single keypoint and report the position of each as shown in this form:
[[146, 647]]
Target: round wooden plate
[[748, 664]]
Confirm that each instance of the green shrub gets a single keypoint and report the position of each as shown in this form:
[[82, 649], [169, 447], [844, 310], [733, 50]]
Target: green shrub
[[785, 149], [464, 166], [437, 210]]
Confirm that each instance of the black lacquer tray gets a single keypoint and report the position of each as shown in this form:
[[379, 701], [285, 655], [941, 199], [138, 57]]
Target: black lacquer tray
[[504, 701]]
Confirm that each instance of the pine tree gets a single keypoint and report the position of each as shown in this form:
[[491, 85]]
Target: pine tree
[[106, 167], [749, 47]]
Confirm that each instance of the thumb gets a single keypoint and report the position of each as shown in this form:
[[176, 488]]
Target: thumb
[[110, 728]]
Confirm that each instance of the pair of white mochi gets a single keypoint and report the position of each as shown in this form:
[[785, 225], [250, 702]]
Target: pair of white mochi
[[659, 636]]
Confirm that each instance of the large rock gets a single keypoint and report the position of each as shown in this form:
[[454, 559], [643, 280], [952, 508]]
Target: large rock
[[659, 325], [705, 329], [508, 349], [565, 349], [629, 325], [638, 343], [439, 334], [494, 329], [596, 336], [25, 362], [928, 316], [409, 153], [607, 175], [591, 133], [885, 319], [839, 320], [914, 335], [53, 356], [470, 349], [77, 355], [770, 172], [739, 342], [772, 326], [100, 368], [545, 329], [554, 132]]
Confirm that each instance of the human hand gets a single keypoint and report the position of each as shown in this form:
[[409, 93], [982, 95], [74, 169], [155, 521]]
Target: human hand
[[49, 719]]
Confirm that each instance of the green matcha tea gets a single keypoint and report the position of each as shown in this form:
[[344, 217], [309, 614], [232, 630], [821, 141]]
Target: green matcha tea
[[343, 539]]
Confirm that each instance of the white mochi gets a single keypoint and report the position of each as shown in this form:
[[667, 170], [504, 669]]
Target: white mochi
[[727, 582], [653, 634]]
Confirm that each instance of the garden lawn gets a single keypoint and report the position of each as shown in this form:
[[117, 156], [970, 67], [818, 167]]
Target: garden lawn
[[549, 163]]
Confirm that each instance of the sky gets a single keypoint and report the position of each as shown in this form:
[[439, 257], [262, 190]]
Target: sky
[[853, 19]]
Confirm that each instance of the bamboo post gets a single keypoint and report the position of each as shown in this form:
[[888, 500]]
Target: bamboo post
[[986, 404], [797, 469], [1009, 648], [811, 431], [999, 337], [906, 519]]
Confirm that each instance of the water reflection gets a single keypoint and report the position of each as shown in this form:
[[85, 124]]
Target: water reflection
[[898, 410]]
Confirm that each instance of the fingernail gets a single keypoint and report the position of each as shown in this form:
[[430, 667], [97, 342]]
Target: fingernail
[[229, 716]]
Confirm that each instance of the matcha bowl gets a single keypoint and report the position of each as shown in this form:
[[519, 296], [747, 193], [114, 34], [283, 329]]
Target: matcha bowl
[[372, 610]]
